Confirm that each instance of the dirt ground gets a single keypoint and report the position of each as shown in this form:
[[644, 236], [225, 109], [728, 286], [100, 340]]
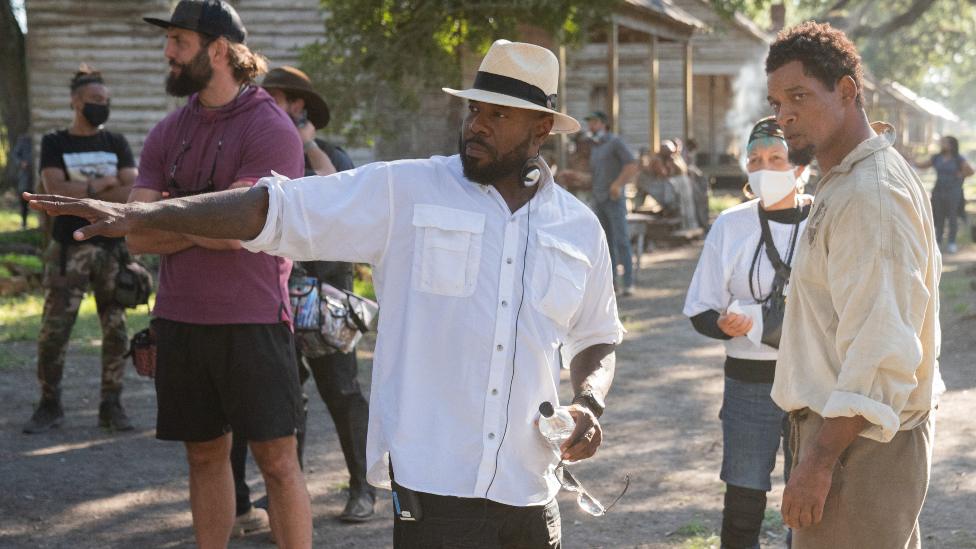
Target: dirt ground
[[79, 487]]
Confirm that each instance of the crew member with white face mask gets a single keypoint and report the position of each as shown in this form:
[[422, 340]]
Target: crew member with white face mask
[[733, 284]]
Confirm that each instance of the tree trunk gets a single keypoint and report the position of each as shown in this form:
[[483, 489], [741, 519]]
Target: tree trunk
[[13, 82]]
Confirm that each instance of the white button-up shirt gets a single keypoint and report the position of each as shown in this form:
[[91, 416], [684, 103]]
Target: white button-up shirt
[[471, 321]]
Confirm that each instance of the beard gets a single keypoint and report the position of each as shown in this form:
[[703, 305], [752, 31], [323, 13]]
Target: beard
[[802, 157], [501, 167], [193, 76]]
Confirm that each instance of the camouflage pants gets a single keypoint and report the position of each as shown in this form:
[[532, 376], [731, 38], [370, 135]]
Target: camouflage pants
[[86, 264]]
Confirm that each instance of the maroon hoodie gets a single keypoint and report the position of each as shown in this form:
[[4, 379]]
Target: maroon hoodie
[[242, 141]]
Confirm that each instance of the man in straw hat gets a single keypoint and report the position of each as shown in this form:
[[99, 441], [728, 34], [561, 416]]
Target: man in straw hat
[[483, 267]]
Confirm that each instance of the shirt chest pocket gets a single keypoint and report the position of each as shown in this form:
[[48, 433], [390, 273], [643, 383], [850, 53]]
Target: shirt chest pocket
[[559, 278], [447, 250]]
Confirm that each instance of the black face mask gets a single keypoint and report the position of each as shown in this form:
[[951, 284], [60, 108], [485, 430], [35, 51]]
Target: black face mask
[[95, 114]]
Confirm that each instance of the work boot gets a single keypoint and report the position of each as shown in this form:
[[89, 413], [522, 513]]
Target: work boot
[[47, 415], [111, 415], [359, 507]]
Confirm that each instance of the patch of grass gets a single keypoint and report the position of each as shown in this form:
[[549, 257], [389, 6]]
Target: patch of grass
[[10, 220], [719, 202], [10, 360], [20, 320], [364, 288], [711, 541], [693, 528], [32, 237], [31, 263]]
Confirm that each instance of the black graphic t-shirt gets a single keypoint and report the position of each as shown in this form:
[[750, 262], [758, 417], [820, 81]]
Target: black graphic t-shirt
[[82, 158]]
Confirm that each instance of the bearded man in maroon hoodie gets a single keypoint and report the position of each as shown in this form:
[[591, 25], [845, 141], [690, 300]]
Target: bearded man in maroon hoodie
[[225, 354]]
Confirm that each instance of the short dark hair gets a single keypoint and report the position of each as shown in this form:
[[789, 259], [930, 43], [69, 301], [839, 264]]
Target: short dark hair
[[825, 52], [85, 75], [953, 144]]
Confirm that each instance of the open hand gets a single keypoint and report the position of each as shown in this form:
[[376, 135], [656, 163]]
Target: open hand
[[105, 218], [586, 438], [735, 325]]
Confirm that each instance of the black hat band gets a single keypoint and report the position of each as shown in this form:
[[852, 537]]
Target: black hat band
[[506, 85]]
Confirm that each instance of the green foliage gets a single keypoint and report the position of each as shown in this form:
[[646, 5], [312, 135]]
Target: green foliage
[[28, 263], [10, 219], [20, 320], [933, 53], [31, 237], [382, 54]]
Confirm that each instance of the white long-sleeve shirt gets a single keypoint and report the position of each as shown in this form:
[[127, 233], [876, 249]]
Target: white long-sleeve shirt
[[445, 404], [723, 271], [861, 334]]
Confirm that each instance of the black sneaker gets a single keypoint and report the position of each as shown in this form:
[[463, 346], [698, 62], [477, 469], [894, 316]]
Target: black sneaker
[[359, 508], [47, 415], [111, 415]]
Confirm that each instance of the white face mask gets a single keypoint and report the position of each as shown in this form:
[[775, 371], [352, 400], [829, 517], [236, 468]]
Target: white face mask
[[772, 186]]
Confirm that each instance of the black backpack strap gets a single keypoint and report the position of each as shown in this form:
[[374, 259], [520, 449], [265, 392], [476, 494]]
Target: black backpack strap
[[783, 269]]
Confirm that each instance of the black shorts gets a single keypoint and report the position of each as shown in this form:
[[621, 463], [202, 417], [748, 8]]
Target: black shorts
[[213, 379]]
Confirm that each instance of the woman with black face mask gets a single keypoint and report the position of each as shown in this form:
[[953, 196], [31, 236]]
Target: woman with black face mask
[[83, 160]]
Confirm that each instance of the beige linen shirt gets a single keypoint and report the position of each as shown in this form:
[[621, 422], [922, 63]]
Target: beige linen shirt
[[861, 334]]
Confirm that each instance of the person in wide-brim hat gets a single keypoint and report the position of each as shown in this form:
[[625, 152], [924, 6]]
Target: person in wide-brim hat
[[488, 272], [296, 83], [525, 76]]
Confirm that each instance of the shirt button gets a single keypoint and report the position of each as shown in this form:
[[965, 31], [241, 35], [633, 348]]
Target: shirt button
[[504, 304], [494, 392], [499, 347], [491, 436], [509, 261]]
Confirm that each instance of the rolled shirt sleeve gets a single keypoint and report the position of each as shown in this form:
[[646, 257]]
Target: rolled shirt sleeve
[[878, 291], [345, 217]]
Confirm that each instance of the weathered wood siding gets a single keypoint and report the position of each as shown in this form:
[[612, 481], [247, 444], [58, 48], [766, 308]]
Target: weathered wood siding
[[111, 36], [728, 59], [587, 81]]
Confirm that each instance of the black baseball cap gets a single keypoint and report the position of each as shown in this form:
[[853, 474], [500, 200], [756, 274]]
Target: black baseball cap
[[210, 17]]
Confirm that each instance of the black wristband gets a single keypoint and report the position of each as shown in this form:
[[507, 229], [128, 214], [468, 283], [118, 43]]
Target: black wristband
[[590, 401]]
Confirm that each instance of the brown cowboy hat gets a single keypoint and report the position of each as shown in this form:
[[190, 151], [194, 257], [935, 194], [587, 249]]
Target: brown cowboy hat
[[298, 84]]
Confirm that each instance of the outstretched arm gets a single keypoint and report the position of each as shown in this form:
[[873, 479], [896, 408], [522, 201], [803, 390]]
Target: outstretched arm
[[236, 213]]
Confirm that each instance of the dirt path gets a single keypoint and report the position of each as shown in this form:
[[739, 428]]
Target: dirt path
[[79, 487]]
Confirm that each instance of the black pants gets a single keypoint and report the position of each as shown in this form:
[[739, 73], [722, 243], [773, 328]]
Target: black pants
[[336, 378], [946, 201], [475, 523]]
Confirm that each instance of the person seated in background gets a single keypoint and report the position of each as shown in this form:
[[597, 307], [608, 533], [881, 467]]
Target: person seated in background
[[653, 181]]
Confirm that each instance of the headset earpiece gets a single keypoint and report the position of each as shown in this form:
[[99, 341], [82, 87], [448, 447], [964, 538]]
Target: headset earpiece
[[532, 171]]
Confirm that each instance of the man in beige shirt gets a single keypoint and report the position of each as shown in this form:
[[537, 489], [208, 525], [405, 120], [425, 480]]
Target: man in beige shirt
[[858, 368]]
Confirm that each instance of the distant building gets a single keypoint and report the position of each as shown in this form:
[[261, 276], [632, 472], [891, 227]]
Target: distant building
[[111, 37]]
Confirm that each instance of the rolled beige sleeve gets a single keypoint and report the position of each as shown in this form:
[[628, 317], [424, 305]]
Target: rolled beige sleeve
[[880, 298]]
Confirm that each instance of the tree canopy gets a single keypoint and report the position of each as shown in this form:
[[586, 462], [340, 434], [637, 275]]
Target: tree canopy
[[379, 51], [929, 46]]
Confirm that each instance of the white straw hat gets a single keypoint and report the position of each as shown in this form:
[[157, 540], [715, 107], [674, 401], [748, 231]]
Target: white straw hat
[[516, 74]]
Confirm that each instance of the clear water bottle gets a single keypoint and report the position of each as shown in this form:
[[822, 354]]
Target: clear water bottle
[[556, 425]]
